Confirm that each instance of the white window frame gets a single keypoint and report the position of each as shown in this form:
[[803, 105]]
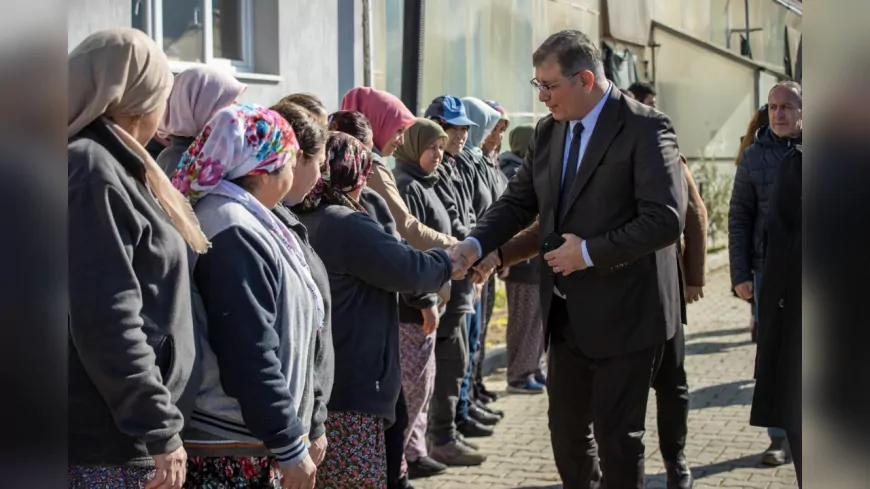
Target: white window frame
[[154, 28]]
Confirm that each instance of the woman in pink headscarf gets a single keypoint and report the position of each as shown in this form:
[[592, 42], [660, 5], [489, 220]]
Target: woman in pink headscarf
[[390, 119], [198, 94]]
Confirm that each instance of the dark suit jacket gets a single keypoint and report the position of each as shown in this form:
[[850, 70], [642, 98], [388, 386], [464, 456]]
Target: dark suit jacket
[[628, 202]]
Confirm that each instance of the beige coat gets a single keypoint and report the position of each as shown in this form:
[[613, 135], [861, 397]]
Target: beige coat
[[415, 232]]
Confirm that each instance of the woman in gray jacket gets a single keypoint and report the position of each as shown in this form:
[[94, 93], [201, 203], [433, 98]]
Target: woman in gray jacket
[[130, 333], [260, 312]]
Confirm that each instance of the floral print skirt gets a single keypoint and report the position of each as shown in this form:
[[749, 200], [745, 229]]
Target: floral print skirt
[[417, 352], [356, 457], [232, 472], [525, 333], [101, 477]]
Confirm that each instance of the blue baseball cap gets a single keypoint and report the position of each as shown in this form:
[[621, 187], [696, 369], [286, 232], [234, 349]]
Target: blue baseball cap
[[450, 110]]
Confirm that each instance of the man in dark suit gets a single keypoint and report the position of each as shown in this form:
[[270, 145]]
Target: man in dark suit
[[604, 173]]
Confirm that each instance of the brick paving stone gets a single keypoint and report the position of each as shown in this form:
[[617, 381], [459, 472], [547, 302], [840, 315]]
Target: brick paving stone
[[723, 449]]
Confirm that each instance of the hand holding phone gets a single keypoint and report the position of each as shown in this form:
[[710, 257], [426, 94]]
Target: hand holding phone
[[552, 242]]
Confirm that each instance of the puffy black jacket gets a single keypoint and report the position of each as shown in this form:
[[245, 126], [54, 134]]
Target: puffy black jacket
[[749, 201]]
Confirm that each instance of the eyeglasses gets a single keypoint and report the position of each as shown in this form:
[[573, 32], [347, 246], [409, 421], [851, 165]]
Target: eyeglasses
[[548, 87]]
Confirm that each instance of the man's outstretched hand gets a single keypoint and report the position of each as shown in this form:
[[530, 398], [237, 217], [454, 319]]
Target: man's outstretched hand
[[463, 255]]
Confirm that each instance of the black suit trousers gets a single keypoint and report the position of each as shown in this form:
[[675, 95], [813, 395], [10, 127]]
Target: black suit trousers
[[672, 397], [597, 409]]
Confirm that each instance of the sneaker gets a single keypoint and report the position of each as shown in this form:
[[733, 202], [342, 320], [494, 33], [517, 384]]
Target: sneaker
[[456, 454], [472, 428], [464, 441], [425, 467], [775, 454], [482, 416], [530, 387], [541, 379], [493, 411]]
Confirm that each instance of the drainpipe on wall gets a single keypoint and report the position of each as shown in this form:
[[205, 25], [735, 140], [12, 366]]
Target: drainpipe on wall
[[368, 44], [412, 53]]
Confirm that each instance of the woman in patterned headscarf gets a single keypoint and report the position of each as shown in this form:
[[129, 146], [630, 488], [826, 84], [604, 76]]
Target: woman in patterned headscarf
[[260, 311], [368, 268]]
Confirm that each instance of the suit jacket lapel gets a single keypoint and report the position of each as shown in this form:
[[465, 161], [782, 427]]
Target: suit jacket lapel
[[608, 125], [557, 153]]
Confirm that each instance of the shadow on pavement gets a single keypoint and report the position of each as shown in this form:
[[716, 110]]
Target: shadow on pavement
[[712, 347], [720, 332], [722, 395], [698, 472], [702, 471]]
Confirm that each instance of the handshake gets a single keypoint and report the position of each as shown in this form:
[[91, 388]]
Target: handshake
[[464, 255]]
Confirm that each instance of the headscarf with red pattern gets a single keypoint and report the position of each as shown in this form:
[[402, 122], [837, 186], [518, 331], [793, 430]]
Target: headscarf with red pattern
[[346, 169]]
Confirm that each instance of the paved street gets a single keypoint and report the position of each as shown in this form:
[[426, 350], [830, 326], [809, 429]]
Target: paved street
[[723, 449]]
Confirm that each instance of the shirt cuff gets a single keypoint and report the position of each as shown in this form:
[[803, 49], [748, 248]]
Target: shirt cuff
[[476, 243], [291, 455], [585, 254]]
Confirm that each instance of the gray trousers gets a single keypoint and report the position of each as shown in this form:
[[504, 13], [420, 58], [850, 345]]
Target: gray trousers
[[451, 363]]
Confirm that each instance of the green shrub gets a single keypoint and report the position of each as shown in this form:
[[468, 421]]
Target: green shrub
[[715, 185]]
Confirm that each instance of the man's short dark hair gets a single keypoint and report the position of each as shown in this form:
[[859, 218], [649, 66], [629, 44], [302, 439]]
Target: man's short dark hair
[[641, 90], [573, 51]]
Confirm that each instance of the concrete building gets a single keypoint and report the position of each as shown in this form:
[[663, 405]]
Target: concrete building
[[710, 72], [712, 61], [277, 47]]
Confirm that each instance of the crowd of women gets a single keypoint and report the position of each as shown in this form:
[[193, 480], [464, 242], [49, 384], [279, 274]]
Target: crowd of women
[[258, 300]]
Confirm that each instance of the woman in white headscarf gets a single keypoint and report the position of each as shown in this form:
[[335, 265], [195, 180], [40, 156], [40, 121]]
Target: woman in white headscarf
[[131, 342], [474, 166], [482, 185], [197, 95]]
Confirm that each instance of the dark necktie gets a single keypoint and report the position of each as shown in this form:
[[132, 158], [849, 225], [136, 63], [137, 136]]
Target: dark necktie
[[565, 189], [570, 171]]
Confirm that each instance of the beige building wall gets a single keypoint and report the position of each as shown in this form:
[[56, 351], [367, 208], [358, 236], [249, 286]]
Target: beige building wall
[[710, 20], [709, 97]]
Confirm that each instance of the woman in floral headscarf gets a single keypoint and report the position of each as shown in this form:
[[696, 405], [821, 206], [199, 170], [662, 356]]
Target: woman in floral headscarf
[[259, 313], [368, 268]]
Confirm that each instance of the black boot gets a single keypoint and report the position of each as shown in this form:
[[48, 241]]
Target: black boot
[[425, 467], [482, 416], [493, 411], [679, 474], [404, 483], [484, 392]]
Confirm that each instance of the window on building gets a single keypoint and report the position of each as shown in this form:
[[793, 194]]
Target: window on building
[[215, 32]]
